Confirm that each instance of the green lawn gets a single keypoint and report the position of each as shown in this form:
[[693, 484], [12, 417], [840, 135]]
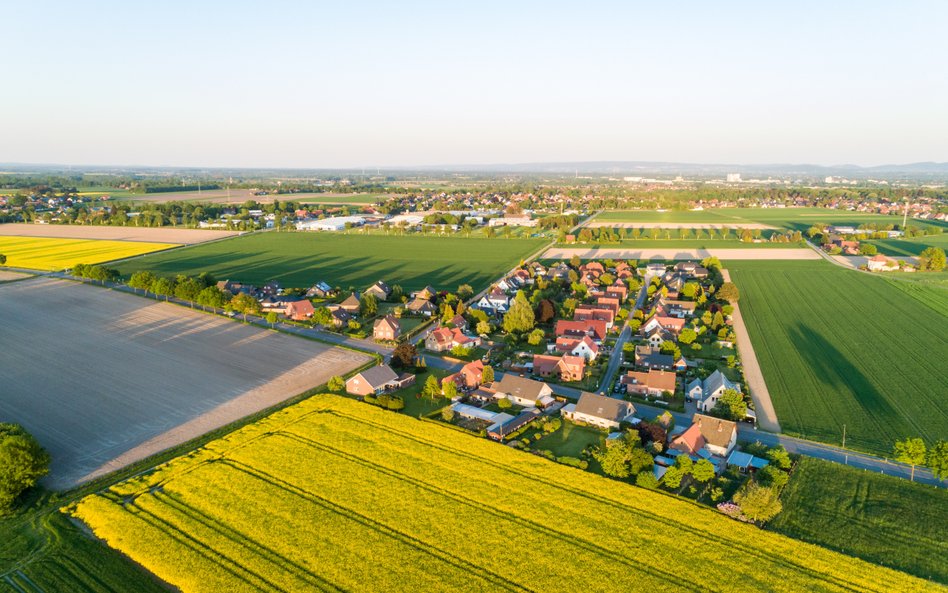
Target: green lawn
[[570, 440], [799, 219], [879, 518], [415, 404], [840, 347], [301, 259], [910, 247]]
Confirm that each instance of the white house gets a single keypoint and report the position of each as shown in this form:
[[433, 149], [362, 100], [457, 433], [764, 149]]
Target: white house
[[522, 391], [707, 393], [336, 223], [495, 301]]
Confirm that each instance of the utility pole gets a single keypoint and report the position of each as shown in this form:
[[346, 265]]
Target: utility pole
[[905, 215], [844, 444]]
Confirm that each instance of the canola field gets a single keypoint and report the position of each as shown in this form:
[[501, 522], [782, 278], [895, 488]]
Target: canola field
[[42, 253], [335, 495]]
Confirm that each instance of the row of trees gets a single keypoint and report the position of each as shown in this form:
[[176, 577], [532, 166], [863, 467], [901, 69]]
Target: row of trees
[[913, 451], [22, 463]]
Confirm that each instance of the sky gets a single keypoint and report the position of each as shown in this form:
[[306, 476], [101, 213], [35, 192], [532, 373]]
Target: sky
[[375, 84]]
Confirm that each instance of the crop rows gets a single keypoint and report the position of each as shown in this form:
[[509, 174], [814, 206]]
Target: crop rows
[[841, 348], [336, 495], [57, 254]]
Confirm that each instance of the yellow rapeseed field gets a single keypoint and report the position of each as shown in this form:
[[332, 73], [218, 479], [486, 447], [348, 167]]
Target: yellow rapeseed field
[[41, 253], [336, 495]]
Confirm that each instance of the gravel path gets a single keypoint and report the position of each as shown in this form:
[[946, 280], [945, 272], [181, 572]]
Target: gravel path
[[766, 415]]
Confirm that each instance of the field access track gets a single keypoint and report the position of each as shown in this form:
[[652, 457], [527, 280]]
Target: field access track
[[113, 233], [104, 379]]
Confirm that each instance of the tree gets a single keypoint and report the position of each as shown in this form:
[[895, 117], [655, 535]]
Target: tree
[[431, 388], [640, 461], [465, 292], [483, 327], [142, 280], [772, 476], [931, 259], [779, 457], [397, 293], [646, 479], [910, 451], [519, 318], [690, 290], [369, 305], [504, 404], [187, 289], [731, 405], [272, 318], [937, 459], [729, 292], [447, 414], [672, 477], [404, 355], [336, 384], [449, 389], [536, 337], [684, 463], [867, 249], [487, 376], [614, 459], [212, 297], [545, 311], [687, 336], [702, 471], [3, 259], [759, 503], [163, 287], [245, 304], [22, 462], [718, 320]]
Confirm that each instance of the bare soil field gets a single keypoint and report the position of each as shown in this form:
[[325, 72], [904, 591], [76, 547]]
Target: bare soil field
[[113, 233], [6, 275], [103, 379], [678, 225], [674, 254]]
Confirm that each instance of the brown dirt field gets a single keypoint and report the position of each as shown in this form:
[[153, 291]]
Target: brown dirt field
[[239, 196], [103, 378], [114, 233], [678, 225], [673, 254]]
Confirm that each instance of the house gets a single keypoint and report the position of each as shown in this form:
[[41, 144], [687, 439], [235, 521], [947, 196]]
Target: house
[[340, 317], [380, 290], [707, 393], [610, 303], [654, 270], [598, 410], [650, 357], [881, 263], [496, 301], [420, 306], [386, 328], [336, 223], [594, 312], [512, 221], [427, 293], [715, 435], [459, 322], [446, 338], [566, 367], [584, 347], [351, 305], [673, 325], [673, 308], [522, 391], [594, 267], [501, 428], [577, 329], [475, 413], [469, 377], [377, 379], [320, 290], [270, 302], [658, 336], [299, 310], [654, 383], [689, 269]]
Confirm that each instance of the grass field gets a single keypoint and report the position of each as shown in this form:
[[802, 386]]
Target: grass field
[[797, 219], [929, 289], [48, 554], [686, 244], [910, 247], [570, 440], [879, 518], [57, 254], [394, 504], [840, 347], [301, 259]]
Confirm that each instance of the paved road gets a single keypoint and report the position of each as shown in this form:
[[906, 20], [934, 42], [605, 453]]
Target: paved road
[[763, 405], [616, 357]]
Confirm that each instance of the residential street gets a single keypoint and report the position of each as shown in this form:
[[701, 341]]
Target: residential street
[[616, 357]]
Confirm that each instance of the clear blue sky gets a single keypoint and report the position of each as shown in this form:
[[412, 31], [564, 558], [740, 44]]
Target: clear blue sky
[[347, 84]]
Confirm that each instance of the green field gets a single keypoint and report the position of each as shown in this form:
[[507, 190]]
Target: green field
[[930, 289], [301, 259], [686, 244], [48, 554], [795, 219], [840, 347], [332, 494], [910, 247], [883, 519]]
